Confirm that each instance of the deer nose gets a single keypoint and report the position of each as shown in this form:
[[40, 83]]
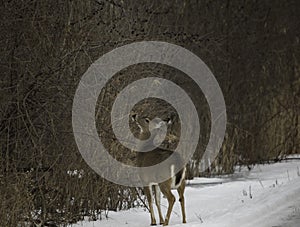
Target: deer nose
[[157, 123]]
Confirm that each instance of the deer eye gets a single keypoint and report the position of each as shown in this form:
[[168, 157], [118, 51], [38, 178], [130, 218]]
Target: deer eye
[[147, 119]]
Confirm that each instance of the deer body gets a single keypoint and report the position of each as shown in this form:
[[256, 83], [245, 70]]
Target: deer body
[[155, 156]]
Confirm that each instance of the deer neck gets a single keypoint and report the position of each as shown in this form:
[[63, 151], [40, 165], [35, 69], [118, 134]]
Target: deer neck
[[146, 139]]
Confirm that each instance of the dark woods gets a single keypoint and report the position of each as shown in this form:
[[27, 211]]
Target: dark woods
[[252, 48]]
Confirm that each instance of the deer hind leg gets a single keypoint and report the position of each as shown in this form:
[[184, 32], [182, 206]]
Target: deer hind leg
[[180, 191], [166, 190], [148, 192], [157, 201]]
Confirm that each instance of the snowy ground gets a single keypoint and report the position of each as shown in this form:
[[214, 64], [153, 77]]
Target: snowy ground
[[267, 196]]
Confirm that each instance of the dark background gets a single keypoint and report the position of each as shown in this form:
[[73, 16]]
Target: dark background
[[252, 48]]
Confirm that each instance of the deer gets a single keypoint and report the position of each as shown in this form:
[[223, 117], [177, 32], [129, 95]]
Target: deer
[[176, 181]]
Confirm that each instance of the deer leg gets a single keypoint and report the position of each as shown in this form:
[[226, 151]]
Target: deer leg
[[148, 192], [180, 191], [157, 201], [166, 190]]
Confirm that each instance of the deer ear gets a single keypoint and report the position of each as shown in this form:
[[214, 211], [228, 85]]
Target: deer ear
[[134, 117], [172, 118], [169, 121]]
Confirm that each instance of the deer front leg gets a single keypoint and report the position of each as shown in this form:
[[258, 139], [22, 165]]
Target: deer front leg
[[166, 190], [157, 201], [180, 191], [148, 193]]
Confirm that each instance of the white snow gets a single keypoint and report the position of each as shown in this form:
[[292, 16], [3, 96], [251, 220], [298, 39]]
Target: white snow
[[265, 196]]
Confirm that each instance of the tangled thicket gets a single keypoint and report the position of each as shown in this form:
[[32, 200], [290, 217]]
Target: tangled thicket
[[252, 47]]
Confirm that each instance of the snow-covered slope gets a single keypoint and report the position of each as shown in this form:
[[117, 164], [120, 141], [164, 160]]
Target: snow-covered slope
[[267, 196]]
